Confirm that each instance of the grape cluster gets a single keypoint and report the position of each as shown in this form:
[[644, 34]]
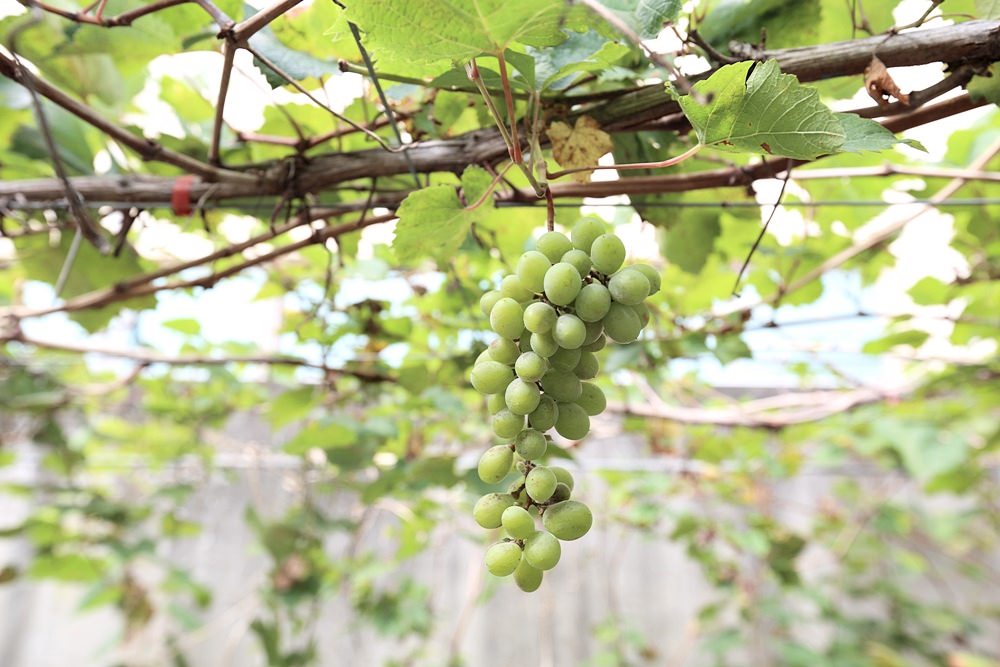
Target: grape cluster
[[553, 314]]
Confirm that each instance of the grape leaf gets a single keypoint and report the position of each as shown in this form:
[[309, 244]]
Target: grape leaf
[[753, 109], [988, 9], [646, 17], [986, 87], [579, 146], [433, 30], [864, 134]]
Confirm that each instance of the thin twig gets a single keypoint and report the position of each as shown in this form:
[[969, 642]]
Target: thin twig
[[244, 30], [669, 162], [763, 230], [228, 56]]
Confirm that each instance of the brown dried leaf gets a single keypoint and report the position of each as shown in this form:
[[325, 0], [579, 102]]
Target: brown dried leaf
[[579, 146], [880, 85]]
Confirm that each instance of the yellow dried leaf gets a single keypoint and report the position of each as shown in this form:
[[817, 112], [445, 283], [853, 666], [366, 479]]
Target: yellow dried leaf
[[578, 146]]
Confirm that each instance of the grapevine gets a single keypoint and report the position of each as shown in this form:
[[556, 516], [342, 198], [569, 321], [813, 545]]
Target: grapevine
[[565, 299]]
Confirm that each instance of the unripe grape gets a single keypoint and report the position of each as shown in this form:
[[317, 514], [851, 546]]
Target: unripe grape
[[495, 403], [483, 356], [503, 350], [490, 507], [564, 476], [562, 387], [503, 558], [539, 317], [621, 324], [588, 367], [562, 283], [628, 287], [542, 550], [531, 270], [507, 318], [652, 275], [527, 578], [561, 493], [573, 423], [530, 367], [565, 359], [495, 463], [540, 484], [488, 300], [553, 245], [592, 399], [530, 444], [544, 416], [595, 330], [512, 288], [570, 331], [578, 259], [543, 345], [642, 310], [505, 423], [585, 231], [518, 523], [592, 302], [491, 377], [608, 253], [568, 520], [599, 343], [522, 397]]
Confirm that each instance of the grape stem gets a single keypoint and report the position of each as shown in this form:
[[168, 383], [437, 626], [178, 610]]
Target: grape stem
[[669, 162]]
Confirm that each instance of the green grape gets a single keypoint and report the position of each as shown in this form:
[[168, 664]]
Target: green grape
[[561, 493], [599, 343], [507, 318], [562, 283], [621, 324], [543, 345], [490, 507], [527, 578], [495, 463], [483, 356], [503, 350], [522, 397], [564, 476], [503, 558], [540, 484], [592, 302], [595, 330], [608, 253], [652, 275], [628, 287], [539, 317], [495, 403], [530, 444], [592, 399], [573, 422], [588, 367], [642, 310], [488, 300], [562, 387], [568, 520], [579, 259], [553, 245], [512, 288], [491, 377], [544, 416], [530, 366], [518, 523], [531, 270], [506, 424], [585, 231], [565, 359], [570, 331], [542, 550]]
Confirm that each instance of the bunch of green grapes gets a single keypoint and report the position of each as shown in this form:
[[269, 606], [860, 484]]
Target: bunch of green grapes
[[553, 314]]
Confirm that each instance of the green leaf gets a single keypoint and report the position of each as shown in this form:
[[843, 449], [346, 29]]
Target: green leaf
[[322, 435], [297, 64], [864, 134], [912, 338], [786, 23], [754, 108], [432, 30], [185, 325], [645, 17], [988, 9], [689, 242], [929, 291], [986, 87]]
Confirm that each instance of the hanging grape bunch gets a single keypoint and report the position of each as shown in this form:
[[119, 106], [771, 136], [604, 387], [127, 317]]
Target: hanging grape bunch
[[553, 314]]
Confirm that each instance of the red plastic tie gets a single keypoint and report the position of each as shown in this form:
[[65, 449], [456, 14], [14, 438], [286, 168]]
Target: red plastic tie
[[180, 196]]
